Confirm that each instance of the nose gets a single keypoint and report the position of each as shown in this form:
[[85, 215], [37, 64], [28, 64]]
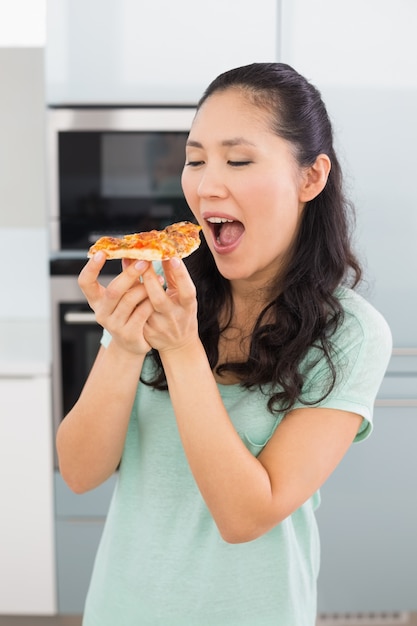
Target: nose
[[211, 184]]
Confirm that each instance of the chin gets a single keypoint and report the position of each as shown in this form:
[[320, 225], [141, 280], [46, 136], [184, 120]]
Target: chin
[[233, 271]]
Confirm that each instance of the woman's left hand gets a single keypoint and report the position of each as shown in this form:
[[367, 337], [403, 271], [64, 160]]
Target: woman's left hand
[[173, 324]]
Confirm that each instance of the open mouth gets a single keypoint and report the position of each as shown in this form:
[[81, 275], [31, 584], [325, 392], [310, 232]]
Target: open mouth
[[226, 232]]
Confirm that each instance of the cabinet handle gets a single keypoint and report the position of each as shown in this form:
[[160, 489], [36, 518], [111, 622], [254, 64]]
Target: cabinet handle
[[79, 317], [404, 352], [397, 402]]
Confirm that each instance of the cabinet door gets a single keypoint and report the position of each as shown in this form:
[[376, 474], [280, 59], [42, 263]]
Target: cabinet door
[[77, 542], [79, 525], [124, 51], [27, 555], [368, 521], [370, 89]]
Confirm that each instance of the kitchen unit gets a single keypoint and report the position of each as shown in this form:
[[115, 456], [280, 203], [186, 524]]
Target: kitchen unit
[[160, 52], [369, 510], [79, 522], [368, 515], [27, 526], [27, 545]]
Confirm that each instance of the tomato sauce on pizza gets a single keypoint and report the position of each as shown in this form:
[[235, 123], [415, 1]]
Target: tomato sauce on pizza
[[177, 240]]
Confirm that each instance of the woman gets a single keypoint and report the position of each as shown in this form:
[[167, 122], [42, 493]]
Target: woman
[[258, 367]]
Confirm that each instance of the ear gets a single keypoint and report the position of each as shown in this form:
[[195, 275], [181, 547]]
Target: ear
[[315, 178]]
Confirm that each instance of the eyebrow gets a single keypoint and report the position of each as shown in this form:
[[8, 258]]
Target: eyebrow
[[235, 141]]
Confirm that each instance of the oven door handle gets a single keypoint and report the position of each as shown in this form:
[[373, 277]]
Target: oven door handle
[[80, 317]]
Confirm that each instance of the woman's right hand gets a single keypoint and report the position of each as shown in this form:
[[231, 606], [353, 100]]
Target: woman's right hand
[[123, 307]]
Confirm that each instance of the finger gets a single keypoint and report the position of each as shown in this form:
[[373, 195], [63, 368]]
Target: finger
[[130, 332], [142, 312], [154, 287], [131, 300], [126, 263], [88, 277], [126, 280], [179, 282]]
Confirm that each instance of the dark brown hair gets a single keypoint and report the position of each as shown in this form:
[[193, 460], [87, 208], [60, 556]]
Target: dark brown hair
[[304, 311]]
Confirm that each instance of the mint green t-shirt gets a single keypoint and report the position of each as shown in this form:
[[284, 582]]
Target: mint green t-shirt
[[161, 560]]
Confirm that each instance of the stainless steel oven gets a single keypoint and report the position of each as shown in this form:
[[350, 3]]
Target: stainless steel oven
[[76, 335], [114, 171], [111, 171]]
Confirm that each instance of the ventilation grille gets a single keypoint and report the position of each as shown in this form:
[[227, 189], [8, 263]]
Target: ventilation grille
[[364, 619]]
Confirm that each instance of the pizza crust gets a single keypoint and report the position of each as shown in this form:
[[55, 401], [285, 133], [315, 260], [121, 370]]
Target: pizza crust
[[143, 254]]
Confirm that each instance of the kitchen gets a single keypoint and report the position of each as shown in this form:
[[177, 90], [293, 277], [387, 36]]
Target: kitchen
[[370, 88]]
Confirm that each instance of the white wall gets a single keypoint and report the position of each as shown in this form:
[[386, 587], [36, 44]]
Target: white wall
[[23, 275], [22, 23]]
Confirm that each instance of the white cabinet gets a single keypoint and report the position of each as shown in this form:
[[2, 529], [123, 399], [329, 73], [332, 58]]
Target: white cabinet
[[22, 145], [153, 51], [27, 554], [368, 522], [368, 515], [362, 56], [79, 525], [22, 182]]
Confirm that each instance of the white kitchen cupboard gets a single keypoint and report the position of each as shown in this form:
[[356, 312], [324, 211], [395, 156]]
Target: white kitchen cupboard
[[363, 58], [22, 132], [79, 525], [153, 51], [368, 514], [22, 185], [27, 542]]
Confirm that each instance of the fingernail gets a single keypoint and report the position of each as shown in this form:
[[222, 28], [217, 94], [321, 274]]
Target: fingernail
[[99, 256], [175, 262], [140, 266]]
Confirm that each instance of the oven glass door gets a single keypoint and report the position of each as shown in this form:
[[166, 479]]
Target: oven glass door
[[79, 343], [113, 183]]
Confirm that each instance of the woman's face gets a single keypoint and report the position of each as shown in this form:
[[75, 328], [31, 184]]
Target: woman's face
[[242, 184]]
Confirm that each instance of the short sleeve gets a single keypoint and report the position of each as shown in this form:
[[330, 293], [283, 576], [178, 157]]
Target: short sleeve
[[105, 338], [362, 348]]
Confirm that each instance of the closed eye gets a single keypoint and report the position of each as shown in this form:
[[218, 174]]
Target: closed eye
[[239, 163], [193, 163]]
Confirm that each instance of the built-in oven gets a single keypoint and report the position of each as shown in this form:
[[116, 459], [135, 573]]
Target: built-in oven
[[114, 171], [76, 334], [111, 171]]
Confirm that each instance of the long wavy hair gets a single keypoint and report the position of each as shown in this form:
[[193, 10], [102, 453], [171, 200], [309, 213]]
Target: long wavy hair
[[304, 311]]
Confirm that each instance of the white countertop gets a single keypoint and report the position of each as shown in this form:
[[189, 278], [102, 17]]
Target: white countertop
[[25, 347]]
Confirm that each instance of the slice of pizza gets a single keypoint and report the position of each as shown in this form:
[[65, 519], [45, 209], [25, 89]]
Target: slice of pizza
[[177, 240]]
